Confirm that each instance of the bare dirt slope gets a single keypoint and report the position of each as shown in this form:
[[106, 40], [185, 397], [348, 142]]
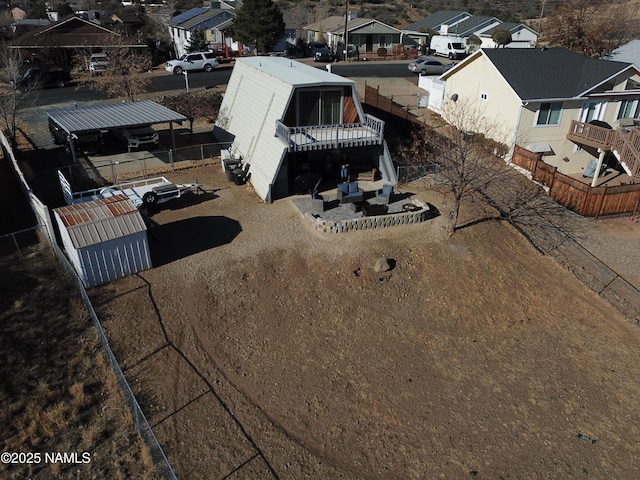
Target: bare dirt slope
[[262, 349]]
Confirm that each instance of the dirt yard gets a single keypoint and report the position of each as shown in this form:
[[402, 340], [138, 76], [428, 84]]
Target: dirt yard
[[262, 349]]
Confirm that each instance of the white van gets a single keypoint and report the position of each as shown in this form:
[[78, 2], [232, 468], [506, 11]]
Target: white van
[[452, 47]]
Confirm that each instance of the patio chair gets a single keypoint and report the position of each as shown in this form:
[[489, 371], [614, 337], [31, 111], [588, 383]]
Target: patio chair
[[384, 196]]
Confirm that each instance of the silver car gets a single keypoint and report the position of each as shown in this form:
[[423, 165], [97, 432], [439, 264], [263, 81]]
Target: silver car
[[429, 66]]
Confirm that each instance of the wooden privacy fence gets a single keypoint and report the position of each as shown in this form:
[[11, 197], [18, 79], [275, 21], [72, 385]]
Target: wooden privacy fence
[[373, 98], [578, 196]]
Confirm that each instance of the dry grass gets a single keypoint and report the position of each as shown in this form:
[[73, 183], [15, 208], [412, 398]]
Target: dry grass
[[58, 393]]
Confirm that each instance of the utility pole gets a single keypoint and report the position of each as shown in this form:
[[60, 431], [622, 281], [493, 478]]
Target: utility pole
[[544, 2], [344, 38]]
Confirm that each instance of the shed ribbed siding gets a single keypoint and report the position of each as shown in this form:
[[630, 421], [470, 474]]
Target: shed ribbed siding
[[105, 239]]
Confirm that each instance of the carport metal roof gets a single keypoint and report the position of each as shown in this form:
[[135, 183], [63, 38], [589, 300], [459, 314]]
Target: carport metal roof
[[113, 115]]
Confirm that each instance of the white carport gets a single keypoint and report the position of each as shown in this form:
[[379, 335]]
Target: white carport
[[105, 239]]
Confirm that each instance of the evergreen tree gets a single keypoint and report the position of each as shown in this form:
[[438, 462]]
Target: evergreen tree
[[259, 24], [197, 42]]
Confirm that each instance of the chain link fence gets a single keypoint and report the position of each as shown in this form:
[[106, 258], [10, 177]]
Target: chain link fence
[[548, 226], [587, 268], [22, 242], [409, 173], [43, 236], [142, 425]]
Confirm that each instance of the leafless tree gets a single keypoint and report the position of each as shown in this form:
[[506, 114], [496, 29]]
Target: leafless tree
[[126, 75], [17, 95], [194, 105], [468, 161], [592, 27]]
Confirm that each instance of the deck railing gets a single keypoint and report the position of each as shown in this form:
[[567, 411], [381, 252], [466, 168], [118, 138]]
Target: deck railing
[[626, 147], [321, 137], [624, 143], [591, 135]]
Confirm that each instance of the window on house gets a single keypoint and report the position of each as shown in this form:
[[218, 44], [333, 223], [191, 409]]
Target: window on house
[[592, 111], [383, 40], [320, 107], [629, 109], [549, 113]]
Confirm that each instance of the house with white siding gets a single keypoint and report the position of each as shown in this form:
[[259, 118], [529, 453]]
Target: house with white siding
[[216, 21], [285, 119], [572, 109]]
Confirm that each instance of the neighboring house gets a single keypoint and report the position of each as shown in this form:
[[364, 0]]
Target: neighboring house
[[438, 22], [471, 26], [365, 33], [629, 52], [29, 24], [522, 36], [286, 119], [58, 42], [125, 23], [216, 21], [545, 98], [463, 25]]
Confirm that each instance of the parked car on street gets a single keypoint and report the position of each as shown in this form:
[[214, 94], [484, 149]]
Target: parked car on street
[[312, 47], [137, 136], [98, 62], [323, 55], [429, 66], [189, 62], [40, 78]]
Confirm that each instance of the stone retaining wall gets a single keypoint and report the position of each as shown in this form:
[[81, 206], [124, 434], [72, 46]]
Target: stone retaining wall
[[364, 223]]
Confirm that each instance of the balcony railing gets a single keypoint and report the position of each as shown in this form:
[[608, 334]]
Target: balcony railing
[[324, 137], [626, 147], [591, 135], [625, 144]]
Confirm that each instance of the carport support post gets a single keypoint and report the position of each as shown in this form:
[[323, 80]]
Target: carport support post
[[72, 147], [173, 136]]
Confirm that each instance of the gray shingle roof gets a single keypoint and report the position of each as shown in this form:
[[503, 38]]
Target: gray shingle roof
[[512, 27], [472, 25], [536, 73], [437, 19], [211, 18]]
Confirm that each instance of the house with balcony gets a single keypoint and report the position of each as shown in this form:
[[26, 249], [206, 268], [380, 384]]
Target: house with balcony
[[284, 119], [577, 112]]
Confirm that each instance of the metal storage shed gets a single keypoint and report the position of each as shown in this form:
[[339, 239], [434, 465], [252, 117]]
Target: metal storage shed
[[104, 239]]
